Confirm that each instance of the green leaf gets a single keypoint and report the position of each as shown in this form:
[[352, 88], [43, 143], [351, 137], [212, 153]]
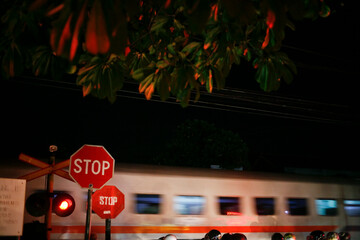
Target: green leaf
[[179, 78], [164, 85], [159, 24], [212, 34], [190, 47], [262, 75], [152, 50], [248, 55], [171, 48], [138, 74], [273, 82], [146, 82], [287, 75], [101, 76], [209, 82], [219, 78], [183, 97], [237, 53], [178, 25], [182, 55], [162, 64]]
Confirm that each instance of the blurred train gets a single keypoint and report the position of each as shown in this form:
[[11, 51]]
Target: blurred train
[[189, 202]]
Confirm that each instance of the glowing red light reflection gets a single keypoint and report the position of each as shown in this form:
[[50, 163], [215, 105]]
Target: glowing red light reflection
[[233, 213]]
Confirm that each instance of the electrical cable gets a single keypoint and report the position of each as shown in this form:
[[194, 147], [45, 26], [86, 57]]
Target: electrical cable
[[232, 100]]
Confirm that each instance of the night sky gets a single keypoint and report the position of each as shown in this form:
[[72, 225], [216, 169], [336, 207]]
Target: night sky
[[311, 123]]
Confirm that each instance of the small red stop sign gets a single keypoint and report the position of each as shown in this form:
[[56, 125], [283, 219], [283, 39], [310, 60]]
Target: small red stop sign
[[108, 202], [91, 164]]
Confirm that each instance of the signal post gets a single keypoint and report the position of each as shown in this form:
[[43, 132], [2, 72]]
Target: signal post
[[91, 167], [48, 169], [50, 191], [108, 202]]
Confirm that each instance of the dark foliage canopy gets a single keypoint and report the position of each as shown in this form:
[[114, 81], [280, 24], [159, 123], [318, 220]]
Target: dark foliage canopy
[[173, 47], [198, 143]]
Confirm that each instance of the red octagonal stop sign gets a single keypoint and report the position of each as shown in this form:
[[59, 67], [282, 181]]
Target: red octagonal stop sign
[[108, 202], [91, 164]]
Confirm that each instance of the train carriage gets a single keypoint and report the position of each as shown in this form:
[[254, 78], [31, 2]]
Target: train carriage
[[189, 202]]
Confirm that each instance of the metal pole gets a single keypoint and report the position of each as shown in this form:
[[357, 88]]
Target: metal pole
[[108, 229], [88, 213], [50, 191]]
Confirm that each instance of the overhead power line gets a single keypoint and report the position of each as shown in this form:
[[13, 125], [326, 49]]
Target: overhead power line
[[234, 101]]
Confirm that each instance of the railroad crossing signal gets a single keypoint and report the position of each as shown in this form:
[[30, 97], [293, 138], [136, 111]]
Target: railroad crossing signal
[[49, 170], [38, 204], [91, 164], [45, 168]]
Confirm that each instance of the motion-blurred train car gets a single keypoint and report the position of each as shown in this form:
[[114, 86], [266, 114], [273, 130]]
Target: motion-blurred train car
[[189, 202]]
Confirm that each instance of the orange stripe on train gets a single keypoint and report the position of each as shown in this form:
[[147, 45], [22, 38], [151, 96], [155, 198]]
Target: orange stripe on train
[[192, 229]]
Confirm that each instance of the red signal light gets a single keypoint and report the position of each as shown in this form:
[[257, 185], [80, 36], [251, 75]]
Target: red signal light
[[63, 204], [37, 204]]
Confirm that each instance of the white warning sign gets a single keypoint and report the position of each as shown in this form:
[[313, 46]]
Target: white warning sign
[[12, 202]]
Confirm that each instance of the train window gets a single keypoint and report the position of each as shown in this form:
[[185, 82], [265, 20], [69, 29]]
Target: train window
[[229, 205], [297, 206], [189, 205], [147, 203], [265, 206], [352, 207], [326, 207]]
